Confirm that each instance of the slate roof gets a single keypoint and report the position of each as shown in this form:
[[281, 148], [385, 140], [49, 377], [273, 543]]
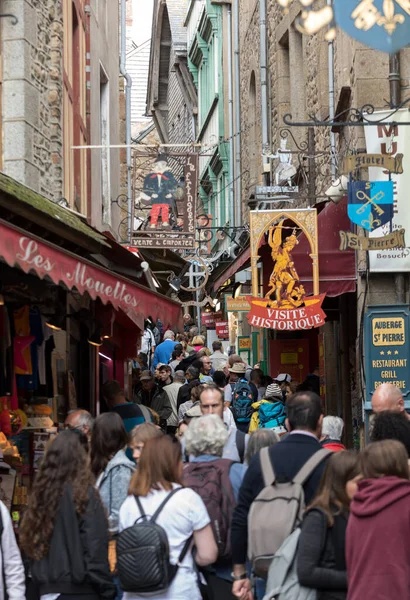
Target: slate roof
[[177, 12]]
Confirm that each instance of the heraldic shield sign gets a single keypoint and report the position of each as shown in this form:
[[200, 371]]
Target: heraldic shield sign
[[370, 203], [285, 306], [380, 24]]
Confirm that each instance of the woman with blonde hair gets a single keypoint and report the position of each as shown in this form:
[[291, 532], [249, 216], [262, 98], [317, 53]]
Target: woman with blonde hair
[[140, 435], [378, 534], [321, 551], [198, 343], [157, 484]]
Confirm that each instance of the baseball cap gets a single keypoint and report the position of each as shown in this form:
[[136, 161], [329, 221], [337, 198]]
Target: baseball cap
[[283, 377]]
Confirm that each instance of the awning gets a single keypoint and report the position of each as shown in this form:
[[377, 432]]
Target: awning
[[31, 253], [337, 269], [240, 262]]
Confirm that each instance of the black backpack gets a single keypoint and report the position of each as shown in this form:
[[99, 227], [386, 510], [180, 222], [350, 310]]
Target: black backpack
[[143, 554]]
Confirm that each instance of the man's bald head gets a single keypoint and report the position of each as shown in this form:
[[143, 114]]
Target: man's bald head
[[387, 397]]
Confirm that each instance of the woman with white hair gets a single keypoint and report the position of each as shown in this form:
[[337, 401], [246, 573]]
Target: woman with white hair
[[332, 429], [217, 480]]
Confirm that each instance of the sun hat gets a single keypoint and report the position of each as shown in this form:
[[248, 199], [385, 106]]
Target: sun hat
[[273, 391], [238, 367], [194, 411]]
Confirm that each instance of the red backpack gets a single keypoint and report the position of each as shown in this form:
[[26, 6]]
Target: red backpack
[[211, 481]]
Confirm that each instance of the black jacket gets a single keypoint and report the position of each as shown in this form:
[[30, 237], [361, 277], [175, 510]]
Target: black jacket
[[288, 457], [184, 392], [77, 561], [321, 563], [157, 400]]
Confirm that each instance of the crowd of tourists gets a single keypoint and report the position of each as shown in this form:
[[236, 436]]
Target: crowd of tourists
[[214, 481]]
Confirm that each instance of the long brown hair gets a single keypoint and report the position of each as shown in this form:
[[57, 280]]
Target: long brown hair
[[65, 462], [108, 437], [384, 458], [332, 497], [159, 466]]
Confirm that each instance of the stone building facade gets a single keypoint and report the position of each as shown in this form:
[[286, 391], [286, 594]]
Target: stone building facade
[[54, 59], [298, 83]]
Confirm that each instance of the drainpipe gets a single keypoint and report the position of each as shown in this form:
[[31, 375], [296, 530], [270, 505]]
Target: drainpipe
[[264, 81], [331, 56], [395, 99], [233, 216], [238, 182], [128, 82]]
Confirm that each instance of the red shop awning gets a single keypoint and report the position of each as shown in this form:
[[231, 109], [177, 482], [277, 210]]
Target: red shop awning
[[31, 253], [337, 269]]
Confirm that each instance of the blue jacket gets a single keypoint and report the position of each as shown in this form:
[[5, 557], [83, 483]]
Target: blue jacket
[[163, 352], [114, 484]]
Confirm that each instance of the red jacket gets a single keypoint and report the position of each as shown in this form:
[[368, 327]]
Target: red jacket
[[333, 445], [378, 541]]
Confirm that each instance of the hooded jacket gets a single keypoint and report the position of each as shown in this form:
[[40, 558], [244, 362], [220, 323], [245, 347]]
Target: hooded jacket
[[378, 540], [114, 484]]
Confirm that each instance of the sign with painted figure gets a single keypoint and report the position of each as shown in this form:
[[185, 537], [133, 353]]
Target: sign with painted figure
[[286, 306], [390, 140], [165, 202], [380, 24], [370, 203], [387, 350]]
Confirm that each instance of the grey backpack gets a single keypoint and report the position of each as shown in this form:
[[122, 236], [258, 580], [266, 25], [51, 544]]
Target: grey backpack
[[276, 511], [283, 583]]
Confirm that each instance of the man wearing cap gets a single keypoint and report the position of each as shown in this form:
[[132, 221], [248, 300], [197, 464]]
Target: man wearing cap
[[269, 413], [159, 188], [236, 373], [154, 398]]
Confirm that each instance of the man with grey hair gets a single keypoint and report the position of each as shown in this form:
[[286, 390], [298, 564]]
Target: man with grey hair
[[164, 351], [172, 391], [332, 429], [388, 397], [217, 481], [81, 420]]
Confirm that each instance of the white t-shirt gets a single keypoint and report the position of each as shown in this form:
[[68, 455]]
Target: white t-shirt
[[147, 342], [184, 514]]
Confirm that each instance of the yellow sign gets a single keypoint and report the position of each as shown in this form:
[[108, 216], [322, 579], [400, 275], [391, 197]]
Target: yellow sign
[[239, 304], [245, 343], [383, 161], [289, 358], [388, 331]]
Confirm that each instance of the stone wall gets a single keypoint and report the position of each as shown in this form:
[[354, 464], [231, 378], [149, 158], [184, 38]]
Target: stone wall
[[32, 94]]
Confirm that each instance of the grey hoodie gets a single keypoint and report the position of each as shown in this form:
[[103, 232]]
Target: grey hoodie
[[113, 485]]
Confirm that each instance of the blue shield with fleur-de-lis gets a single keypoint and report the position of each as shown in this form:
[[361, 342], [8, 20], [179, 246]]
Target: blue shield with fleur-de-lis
[[370, 203], [380, 24]]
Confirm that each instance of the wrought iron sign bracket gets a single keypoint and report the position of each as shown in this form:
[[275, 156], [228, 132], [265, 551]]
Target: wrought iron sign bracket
[[351, 117]]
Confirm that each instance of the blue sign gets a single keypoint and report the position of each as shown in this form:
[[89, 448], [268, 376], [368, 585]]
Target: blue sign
[[387, 350], [380, 24], [370, 203]]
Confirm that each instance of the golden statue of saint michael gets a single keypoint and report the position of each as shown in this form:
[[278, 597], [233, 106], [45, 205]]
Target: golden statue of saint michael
[[284, 280]]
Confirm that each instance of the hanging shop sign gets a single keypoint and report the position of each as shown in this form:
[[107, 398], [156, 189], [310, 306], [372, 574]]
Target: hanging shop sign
[[370, 203], [222, 330], [244, 343], [286, 305], [239, 304], [387, 350], [390, 139], [394, 164], [209, 319], [361, 242], [165, 203], [380, 24]]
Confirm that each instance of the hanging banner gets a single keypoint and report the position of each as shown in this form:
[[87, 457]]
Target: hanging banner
[[222, 330], [370, 203], [286, 306], [165, 202], [360, 242], [380, 24], [391, 140]]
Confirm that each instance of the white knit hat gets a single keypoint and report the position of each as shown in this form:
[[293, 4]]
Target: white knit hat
[[273, 391]]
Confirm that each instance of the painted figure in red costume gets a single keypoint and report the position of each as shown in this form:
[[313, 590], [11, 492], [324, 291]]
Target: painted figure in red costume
[[159, 188]]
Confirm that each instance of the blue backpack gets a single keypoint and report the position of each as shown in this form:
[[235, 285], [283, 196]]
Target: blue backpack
[[271, 415], [242, 401]]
